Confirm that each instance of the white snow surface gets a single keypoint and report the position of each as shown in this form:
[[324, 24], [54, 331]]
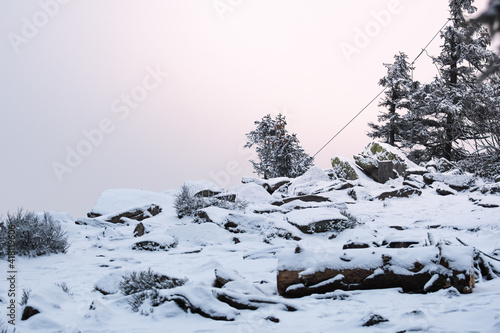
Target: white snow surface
[[99, 254]]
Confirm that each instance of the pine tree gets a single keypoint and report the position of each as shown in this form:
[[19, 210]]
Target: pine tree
[[400, 86], [279, 153], [441, 110]]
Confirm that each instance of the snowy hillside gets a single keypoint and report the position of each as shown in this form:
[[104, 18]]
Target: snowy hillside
[[227, 257]]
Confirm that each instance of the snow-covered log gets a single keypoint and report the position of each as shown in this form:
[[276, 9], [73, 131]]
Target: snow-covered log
[[421, 269]]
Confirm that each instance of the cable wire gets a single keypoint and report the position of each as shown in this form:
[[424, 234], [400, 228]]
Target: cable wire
[[380, 93]]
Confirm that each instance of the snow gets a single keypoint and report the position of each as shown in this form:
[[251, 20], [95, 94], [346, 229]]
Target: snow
[[118, 200], [101, 253], [254, 194], [203, 185]]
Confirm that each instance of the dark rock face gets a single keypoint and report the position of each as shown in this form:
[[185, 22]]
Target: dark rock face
[[374, 319], [355, 245], [137, 214], [139, 230], [29, 312], [305, 198], [150, 245], [404, 192]]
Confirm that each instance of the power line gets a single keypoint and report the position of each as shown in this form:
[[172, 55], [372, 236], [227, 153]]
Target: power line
[[380, 93]]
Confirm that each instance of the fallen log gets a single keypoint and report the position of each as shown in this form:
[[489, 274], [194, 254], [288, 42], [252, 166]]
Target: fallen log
[[415, 270]]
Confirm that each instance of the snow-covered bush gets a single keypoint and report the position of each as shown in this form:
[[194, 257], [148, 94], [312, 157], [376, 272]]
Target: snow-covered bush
[[144, 285], [488, 167], [30, 235], [350, 223], [186, 203]]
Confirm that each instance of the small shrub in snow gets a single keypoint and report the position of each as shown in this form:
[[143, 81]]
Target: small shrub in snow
[[350, 223], [488, 167], [186, 203], [4, 328], [64, 287], [136, 282], [25, 297], [30, 235], [144, 285]]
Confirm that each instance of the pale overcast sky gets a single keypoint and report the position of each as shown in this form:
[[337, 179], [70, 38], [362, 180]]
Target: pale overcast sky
[[102, 94]]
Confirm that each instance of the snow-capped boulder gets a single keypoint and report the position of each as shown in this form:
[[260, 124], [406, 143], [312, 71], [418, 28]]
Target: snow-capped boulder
[[457, 180], [109, 283], [155, 243], [440, 165], [404, 192], [122, 200], [252, 193], [314, 220], [443, 189], [138, 214], [203, 188], [309, 182], [369, 161], [342, 169]]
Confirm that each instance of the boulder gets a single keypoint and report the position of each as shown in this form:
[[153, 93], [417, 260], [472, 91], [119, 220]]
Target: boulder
[[139, 230], [490, 188], [138, 214], [377, 152], [355, 245], [29, 312], [373, 319], [224, 276], [444, 190], [158, 243], [314, 220], [121, 200], [203, 188], [109, 284], [342, 169], [455, 179], [404, 192], [309, 182], [304, 198], [440, 165]]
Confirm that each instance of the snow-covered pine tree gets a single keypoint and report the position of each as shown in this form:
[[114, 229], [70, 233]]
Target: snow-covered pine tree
[[440, 111], [400, 86], [279, 153]]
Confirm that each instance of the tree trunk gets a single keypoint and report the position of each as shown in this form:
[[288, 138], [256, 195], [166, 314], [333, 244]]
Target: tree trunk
[[448, 144]]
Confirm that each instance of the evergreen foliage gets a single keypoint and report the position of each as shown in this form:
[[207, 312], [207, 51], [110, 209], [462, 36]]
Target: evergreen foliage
[[33, 236], [279, 153], [400, 86], [456, 115], [144, 285], [186, 203]]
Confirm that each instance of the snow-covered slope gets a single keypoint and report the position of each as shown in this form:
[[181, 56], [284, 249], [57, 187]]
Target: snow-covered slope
[[244, 247]]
